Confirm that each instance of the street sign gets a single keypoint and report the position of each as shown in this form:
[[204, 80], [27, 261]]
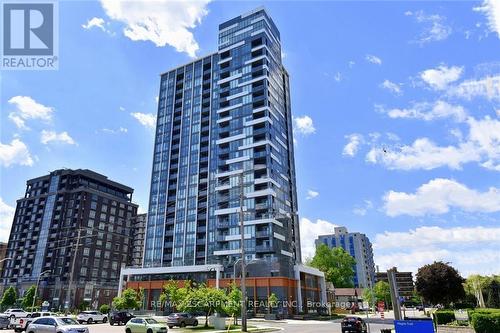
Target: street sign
[[413, 326], [380, 306]]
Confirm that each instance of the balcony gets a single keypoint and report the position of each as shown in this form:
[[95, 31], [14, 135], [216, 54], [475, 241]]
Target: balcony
[[264, 248], [263, 234]]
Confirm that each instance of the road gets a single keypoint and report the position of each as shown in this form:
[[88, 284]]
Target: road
[[291, 326]]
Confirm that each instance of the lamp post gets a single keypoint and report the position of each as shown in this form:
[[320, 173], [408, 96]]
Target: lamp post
[[36, 288]]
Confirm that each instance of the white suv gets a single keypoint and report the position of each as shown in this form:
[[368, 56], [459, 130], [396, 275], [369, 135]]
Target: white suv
[[90, 317], [17, 313]]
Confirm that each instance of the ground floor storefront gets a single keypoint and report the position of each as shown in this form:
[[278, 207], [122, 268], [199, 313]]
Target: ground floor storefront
[[303, 293]]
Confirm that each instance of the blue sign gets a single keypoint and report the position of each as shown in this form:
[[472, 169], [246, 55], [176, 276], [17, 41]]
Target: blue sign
[[414, 326]]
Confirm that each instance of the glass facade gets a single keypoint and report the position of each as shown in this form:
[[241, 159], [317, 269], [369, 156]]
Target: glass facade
[[223, 119]]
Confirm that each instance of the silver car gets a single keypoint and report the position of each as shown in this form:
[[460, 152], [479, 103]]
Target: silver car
[[55, 325]]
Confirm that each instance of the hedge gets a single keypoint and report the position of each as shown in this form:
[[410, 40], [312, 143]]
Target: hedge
[[443, 317], [486, 322]]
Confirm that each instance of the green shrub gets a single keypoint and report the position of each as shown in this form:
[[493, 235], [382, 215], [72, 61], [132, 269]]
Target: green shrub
[[104, 309], [443, 317], [486, 322]]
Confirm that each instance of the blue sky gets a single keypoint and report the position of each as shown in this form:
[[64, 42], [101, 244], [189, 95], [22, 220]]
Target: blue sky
[[396, 106]]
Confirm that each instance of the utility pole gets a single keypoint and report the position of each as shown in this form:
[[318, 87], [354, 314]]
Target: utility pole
[[72, 272], [243, 261], [391, 275]]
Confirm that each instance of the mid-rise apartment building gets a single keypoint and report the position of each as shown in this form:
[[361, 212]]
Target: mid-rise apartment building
[[359, 247], [224, 143], [404, 281], [72, 229]]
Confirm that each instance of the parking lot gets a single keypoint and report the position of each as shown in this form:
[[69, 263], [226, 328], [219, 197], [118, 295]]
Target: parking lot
[[291, 326]]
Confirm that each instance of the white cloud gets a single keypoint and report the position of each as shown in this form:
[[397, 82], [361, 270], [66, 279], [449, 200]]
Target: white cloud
[[27, 108], [373, 59], [362, 210], [458, 245], [54, 137], [146, 119], [485, 134], [481, 145], [438, 196], [114, 131], [309, 231], [311, 194], [433, 235], [394, 88], [427, 111], [439, 78], [161, 22], [435, 28], [424, 154], [491, 8], [304, 125], [352, 147], [94, 22], [18, 121], [6, 217], [15, 153], [473, 260], [487, 87]]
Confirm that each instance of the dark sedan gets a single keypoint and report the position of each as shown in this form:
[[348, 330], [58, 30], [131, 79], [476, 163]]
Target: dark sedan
[[353, 324], [181, 319], [119, 317]]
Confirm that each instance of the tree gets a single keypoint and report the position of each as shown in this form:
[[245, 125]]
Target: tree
[[174, 294], [272, 301], [439, 283], [493, 297], [369, 296], [383, 292], [204, 299], [233, 304], [337, 265], [29, 296], [9, 297], [128, 300], [104, 309], [84, 305], [477, 285]]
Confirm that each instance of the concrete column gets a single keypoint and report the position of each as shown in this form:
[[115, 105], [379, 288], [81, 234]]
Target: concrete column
[[120, 284], [299, 290], [217, 277]]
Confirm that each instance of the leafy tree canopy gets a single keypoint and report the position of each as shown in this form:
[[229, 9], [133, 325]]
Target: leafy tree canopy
[[337, 265], [440, 283]]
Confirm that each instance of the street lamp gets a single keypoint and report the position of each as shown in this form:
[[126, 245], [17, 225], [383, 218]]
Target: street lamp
[[4, 259], [36, 288]]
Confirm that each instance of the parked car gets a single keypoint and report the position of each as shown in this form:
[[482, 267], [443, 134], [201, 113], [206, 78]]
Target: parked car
[[119, 317], [56, 324], [90, 317], [20, 324], [181, 319], [420, 308], [145, 325], [4, 321], [17, 313], [353, 324]]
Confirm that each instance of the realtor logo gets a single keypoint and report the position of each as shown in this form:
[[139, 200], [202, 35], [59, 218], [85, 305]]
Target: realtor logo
[[29, 32]]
